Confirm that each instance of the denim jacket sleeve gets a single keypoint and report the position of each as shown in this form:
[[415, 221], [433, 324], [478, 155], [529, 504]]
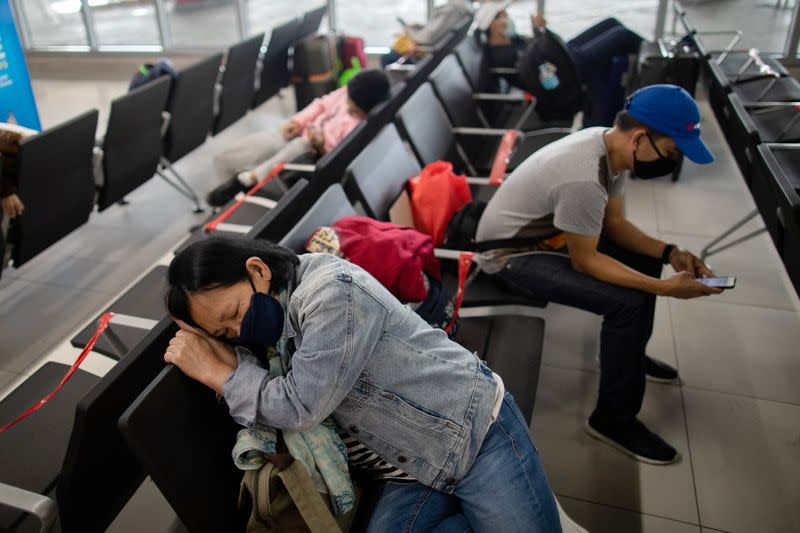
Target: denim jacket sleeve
[[340, 324]]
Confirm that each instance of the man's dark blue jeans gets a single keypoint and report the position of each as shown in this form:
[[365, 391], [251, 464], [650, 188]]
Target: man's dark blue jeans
[[627, 319]]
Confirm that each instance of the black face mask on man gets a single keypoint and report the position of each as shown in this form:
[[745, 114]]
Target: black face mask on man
[[647, 170]]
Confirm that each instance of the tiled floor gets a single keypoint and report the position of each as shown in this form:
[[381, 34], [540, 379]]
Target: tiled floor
[[735, 419]]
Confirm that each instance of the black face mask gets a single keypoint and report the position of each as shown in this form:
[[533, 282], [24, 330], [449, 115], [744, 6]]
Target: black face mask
[[647, 170]]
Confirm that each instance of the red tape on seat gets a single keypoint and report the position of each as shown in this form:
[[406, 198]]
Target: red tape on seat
[[502, 157], [225, 215], [101, 327], [464, 262]]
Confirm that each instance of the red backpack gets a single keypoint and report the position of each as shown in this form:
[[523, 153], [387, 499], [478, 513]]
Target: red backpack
[[397, 256]]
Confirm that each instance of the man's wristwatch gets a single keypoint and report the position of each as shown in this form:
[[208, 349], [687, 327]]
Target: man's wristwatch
[[666, 253]]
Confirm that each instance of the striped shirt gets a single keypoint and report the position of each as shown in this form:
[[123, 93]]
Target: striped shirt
[[362, 458]]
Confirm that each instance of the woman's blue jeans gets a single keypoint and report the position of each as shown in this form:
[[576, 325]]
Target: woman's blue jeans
[[505, 491]]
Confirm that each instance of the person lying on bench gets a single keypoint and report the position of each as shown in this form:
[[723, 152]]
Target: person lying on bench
[[592, 50], [316, 130], [436, 416], [557, 231]]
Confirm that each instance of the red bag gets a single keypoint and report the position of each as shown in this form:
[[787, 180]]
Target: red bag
[[437, 193], [395, 255]]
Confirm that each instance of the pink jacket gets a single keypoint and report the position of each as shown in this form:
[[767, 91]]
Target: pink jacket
[[328, 115]]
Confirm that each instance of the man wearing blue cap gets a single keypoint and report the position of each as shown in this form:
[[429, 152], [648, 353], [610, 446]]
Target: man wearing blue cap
[[556, 230]]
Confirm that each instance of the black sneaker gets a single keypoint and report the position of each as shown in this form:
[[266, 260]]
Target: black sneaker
[[659, 371], [223, 194], [635, 440]]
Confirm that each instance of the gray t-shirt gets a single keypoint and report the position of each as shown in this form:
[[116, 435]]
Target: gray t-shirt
[[563, 187]]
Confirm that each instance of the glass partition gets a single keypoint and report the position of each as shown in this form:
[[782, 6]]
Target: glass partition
[[203, 24], [568, 19], [206, 25], [263, 16], [122, 24], [54, 23], [377, 21]]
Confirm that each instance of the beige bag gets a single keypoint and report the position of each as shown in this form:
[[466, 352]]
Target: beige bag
[[285, 499]]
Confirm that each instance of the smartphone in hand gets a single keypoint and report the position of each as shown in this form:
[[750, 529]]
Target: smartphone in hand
[[722, 282]]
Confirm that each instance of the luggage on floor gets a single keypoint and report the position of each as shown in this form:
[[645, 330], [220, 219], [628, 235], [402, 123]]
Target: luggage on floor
[[676, 63], [352, 55], [315, 66]]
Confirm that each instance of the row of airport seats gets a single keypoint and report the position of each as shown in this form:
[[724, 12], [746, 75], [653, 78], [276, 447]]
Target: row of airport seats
[[71, 450], [149, 129], [757, 104]]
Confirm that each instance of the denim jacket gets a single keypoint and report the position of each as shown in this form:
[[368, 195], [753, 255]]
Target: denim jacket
[[402, 388]]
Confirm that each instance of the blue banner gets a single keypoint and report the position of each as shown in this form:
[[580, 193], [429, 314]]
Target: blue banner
[[16, 95]]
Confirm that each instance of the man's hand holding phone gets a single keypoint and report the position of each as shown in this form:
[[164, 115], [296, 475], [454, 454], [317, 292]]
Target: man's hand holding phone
[[683, 261], [684, 285]]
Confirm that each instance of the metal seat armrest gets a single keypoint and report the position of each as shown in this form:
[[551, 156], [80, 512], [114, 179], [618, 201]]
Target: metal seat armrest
[[401, 67], [299, 167], [473, 180], [97, 167], [218, 95], [166, 118], [504, 71], [765, 105], [503, 98], [483, 132], [44, 508], [448, 254]]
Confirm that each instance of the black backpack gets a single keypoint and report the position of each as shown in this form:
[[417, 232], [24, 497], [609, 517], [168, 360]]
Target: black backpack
[[547, 70], [463, 226]]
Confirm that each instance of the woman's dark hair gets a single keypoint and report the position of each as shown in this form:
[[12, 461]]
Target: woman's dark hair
[[218, 262], [625, 122]]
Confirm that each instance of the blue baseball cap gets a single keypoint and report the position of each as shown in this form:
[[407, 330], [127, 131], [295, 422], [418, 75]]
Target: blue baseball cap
[[671, 110]]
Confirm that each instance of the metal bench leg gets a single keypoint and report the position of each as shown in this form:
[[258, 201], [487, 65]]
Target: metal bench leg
[[178, 183], [710, 249]]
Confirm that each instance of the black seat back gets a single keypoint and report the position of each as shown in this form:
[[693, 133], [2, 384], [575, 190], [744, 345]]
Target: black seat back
[[100, 473], [470, 54], [741, 134], [33, 450], [275, 64], [776, 191], [423, 121], [132, 144], [274, 224], [238, 82], [330, 207], [56, 183], [191, 108], [183, 438], [453, 89], [311, 21], [782, 89], [381, 171]]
